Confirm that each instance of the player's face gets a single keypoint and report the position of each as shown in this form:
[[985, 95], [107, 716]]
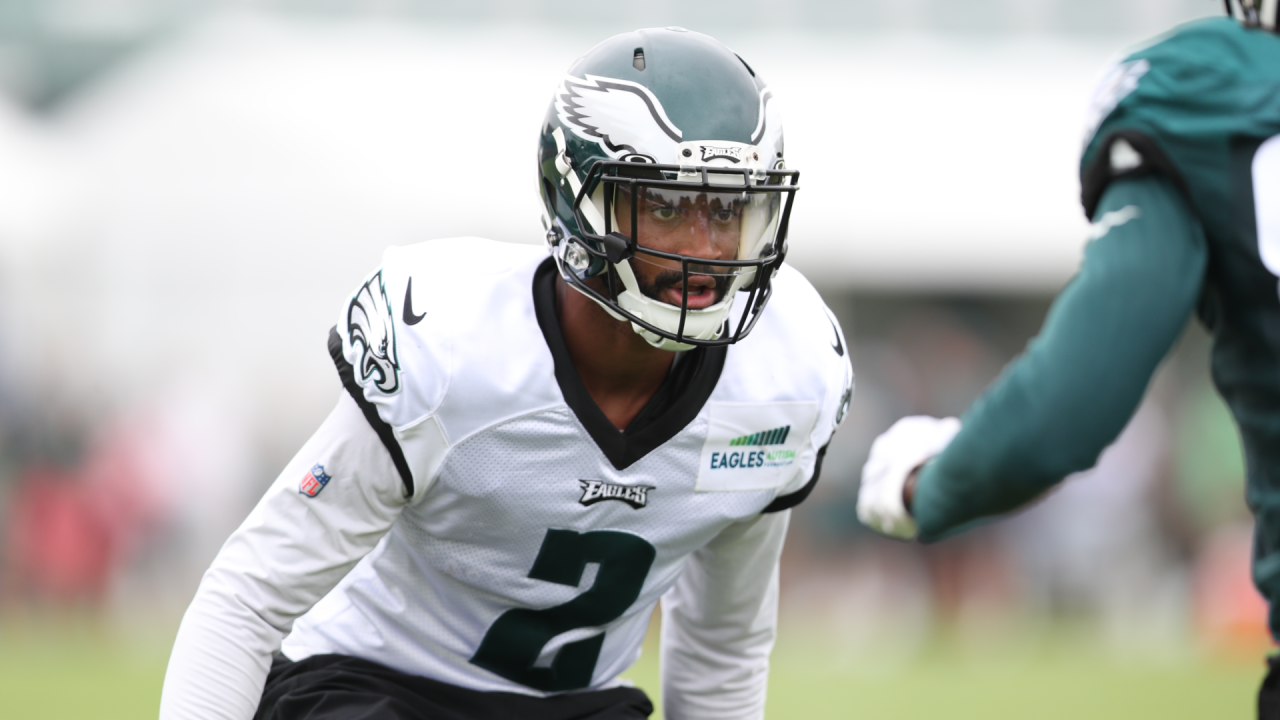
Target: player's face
[[702, 225]]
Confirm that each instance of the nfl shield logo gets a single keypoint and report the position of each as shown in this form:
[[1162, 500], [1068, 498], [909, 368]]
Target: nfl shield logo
[[314, 482]]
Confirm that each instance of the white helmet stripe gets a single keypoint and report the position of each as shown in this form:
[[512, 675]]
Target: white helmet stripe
[[765, 95]]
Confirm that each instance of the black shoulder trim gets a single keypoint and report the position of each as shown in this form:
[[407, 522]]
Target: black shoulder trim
[[1095, 177], [790, 500], [380, 426], [676, 403]]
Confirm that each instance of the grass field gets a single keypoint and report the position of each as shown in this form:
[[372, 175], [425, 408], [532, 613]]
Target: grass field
[[77, 670], [1056, 679]]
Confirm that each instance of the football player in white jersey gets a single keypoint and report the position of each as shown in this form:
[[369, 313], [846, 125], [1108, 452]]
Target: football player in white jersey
[[531, 450]]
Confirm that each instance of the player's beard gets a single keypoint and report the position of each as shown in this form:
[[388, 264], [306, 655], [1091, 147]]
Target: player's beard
[[673, 279]]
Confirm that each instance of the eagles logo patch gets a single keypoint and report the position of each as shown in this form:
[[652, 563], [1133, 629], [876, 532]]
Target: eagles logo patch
[[370, 329], [594, 491]]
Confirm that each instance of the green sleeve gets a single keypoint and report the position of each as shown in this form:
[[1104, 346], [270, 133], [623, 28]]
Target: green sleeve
[[1055, 408]]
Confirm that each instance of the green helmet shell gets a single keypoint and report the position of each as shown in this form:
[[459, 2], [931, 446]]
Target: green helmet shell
[[692, 87]]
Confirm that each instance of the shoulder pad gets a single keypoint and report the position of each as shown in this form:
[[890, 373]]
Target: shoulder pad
[[1162, 106], [394, 341]]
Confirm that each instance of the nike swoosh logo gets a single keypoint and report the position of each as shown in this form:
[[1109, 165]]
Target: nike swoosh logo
[[837, 345], [409, 317], [1113, 220]]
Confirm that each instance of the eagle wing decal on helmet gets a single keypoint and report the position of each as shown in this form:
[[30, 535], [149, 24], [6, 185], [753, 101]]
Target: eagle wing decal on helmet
[[619, 115], [370, 327]]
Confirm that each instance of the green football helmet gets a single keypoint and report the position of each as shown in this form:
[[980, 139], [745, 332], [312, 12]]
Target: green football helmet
[[661, 170], [1254, 13]]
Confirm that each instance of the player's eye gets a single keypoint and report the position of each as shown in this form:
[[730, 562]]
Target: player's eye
[[725, 214], [664, 212]]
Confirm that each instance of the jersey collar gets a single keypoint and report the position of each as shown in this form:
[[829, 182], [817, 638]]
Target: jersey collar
[[676, 403]]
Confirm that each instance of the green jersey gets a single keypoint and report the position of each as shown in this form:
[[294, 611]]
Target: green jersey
[[1204, 110], [1181, 175]]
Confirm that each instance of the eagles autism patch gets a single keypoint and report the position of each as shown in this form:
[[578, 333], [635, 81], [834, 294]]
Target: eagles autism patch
[[754, 446]]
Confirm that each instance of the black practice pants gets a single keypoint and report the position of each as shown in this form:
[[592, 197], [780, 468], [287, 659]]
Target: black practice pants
[[338, 687], [1269, 693]]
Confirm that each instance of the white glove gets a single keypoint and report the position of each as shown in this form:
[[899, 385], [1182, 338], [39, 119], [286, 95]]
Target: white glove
[[897, 453]]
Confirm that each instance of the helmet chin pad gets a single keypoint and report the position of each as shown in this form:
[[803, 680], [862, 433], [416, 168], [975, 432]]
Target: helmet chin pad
[[704, 324], [660, 342], [700, 324]]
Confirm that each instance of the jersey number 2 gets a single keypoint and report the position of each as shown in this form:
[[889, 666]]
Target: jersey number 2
[[514, 642]]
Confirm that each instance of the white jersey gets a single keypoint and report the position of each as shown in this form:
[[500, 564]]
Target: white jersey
[[519, 541]]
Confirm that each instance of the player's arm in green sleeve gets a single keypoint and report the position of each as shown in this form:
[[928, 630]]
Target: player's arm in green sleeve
[[1055, 408]]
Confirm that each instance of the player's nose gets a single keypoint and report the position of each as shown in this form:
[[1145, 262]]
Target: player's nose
[[702, 239]]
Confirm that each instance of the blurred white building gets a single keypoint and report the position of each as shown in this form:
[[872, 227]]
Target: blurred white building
[[193, 188]]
